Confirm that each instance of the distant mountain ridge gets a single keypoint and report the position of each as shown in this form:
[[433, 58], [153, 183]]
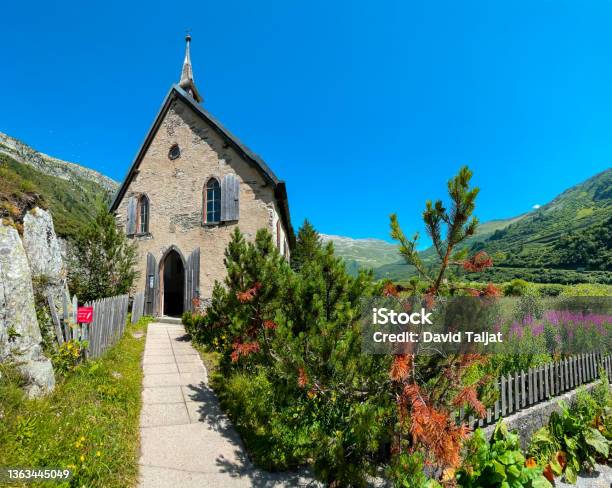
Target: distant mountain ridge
[[367, 253], [571, 232], [29, 178], [568, 240], [22, 153]]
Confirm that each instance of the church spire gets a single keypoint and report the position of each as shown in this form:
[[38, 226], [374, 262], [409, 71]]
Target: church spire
[[187, 82]]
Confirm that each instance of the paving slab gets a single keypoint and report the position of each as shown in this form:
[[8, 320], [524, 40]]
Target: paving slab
[[186, 439], [188, 360], [194, 367], [186, 352], [162, 394], [159, 359], [161, 414], [158, 351], [162, 379], [161, 368]]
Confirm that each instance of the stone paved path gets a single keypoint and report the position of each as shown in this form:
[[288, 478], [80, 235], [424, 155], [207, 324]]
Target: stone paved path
[[186, 441]]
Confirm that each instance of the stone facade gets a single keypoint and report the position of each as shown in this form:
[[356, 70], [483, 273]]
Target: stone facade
[[175, 192]]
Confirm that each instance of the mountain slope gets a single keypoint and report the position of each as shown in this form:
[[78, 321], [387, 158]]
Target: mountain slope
[[376, 254], [22, 153], [532, 240], [568, 240], [28, 179], [572, 232]]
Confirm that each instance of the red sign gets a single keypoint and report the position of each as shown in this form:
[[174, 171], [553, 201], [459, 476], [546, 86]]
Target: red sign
[[85, 315]]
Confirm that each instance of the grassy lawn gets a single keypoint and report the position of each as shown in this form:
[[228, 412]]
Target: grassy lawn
[[89, 424]]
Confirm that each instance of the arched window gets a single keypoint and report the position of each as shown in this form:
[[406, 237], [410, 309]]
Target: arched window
[[212, 201], [143, 214]]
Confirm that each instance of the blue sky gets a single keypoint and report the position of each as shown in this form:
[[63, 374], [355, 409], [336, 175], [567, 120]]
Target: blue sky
[[364, 108]]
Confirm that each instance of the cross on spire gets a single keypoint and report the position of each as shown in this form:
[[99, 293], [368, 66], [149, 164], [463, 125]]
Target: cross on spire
[[187, 82]]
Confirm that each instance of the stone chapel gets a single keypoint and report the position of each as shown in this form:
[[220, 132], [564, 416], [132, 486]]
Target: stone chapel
[[192, 182]]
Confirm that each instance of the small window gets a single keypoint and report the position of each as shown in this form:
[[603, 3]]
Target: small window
[[175, 152], [212, 201], [143, 215]]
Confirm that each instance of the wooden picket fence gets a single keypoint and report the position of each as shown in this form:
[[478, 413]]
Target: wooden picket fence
[[523, 390], [108, 326], [138, 306], [109, 321]]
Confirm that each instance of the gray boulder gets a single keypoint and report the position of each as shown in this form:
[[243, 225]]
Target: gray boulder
[[19, 332], [44, 252]]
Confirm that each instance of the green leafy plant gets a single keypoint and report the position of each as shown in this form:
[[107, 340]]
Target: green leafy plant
[[69, 355], [408, 471], [571, 441], [24, 430], [516, 288], [12, 333], [498, 462]]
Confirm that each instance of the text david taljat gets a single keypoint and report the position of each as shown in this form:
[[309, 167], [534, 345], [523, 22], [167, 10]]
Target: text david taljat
[[384, 316]]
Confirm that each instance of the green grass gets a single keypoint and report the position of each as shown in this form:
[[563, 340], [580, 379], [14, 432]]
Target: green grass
[[90, 423], [209, 358]]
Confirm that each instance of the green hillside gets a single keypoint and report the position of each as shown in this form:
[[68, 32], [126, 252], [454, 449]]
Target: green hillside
[[72, 202], [364, 253], [568, 240], [542, 237]]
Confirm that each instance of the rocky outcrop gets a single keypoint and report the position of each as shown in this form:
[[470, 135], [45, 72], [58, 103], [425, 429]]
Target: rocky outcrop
[[42, 245], [20, 336], [45, 255]]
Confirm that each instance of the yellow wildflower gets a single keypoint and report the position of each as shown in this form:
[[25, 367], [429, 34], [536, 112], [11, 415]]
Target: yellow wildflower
[[82, 458]]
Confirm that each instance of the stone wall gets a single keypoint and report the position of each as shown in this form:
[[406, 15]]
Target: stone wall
[[175, 192], [527, 421]]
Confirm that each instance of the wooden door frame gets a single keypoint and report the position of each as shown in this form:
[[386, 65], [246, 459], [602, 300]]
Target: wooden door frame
[[160, 276]]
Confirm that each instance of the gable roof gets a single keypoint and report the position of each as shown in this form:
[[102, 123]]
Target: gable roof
[[176, 92]]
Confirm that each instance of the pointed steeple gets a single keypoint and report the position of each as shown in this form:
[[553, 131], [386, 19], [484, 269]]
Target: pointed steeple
[[187, 82]]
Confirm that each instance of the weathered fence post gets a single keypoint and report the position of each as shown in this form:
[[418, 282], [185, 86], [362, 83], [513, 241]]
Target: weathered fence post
[[55, 319]]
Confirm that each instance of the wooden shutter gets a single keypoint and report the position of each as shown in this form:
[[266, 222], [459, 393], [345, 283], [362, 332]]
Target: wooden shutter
[[192, 279], [230, 198], [130, 226], [151, 285]]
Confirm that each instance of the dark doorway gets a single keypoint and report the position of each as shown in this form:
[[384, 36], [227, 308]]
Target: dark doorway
[[173, 284]]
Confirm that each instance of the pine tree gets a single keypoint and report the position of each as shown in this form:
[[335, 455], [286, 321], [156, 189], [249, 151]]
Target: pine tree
[[308, 244], [102, 261], [430, 388], [299, 334], [460, 224]]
